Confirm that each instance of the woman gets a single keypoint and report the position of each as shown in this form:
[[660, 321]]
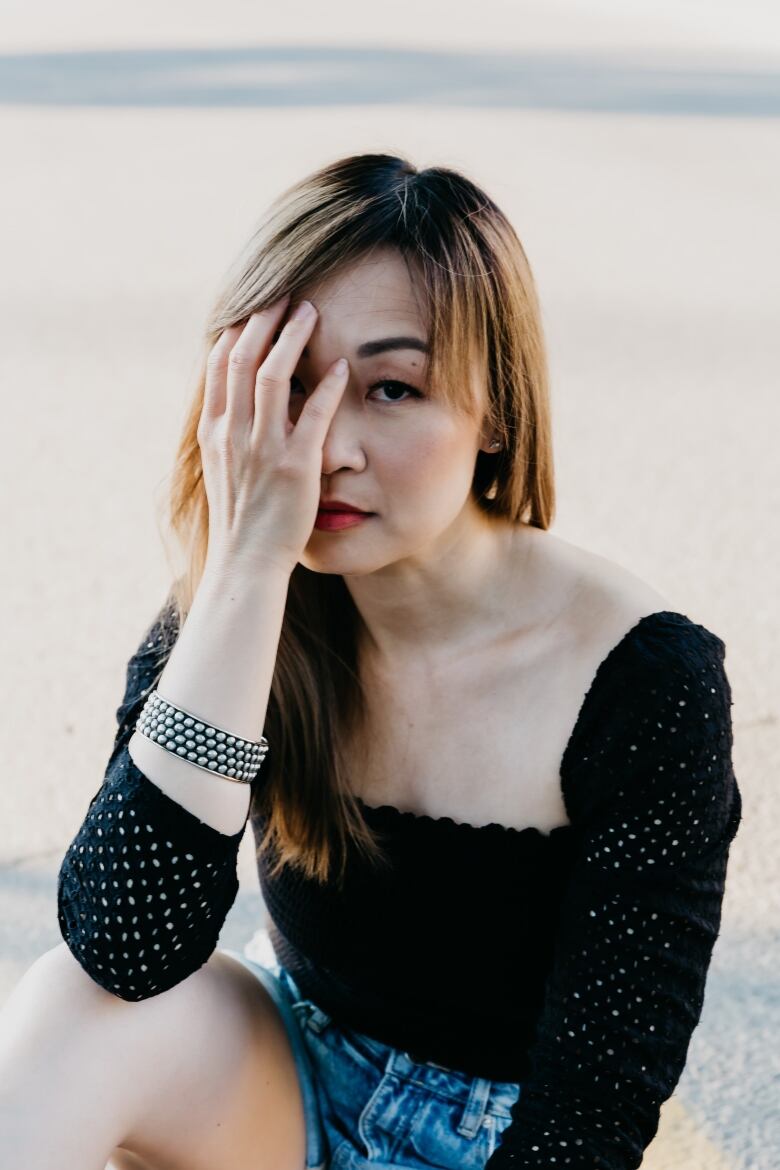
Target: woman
[[494, 819]]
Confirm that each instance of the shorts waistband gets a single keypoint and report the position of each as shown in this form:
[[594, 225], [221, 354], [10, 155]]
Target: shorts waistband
[[479, 1094], [477, 1089]]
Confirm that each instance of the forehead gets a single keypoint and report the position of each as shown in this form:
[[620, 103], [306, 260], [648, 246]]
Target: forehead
[[376, 288], [378, 296]]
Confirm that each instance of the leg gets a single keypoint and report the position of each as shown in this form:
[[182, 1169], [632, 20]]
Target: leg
[[198, 1077]]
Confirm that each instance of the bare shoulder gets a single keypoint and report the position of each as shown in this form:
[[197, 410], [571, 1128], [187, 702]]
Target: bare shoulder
[[607, 598], [614, 582]]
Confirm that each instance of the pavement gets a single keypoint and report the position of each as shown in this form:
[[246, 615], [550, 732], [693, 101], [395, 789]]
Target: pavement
[[634, 149]]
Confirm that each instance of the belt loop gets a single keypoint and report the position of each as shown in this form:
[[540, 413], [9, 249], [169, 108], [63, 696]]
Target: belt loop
[[474, 1111], [318, 1019]]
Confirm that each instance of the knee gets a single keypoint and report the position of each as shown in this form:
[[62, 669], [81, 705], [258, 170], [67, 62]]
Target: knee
[[59, 978], [54, 996], [43, 1019], [58, 963]]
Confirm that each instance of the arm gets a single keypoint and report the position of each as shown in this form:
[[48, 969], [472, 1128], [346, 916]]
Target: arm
[[658, 804], [146, 884]]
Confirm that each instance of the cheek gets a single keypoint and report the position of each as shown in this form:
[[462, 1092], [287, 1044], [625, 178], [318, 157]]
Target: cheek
[[428, 463]]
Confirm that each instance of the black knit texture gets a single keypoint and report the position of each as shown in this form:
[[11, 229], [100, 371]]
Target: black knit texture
[[572, 962]]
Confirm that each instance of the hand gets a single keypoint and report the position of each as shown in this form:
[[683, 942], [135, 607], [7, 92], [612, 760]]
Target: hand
[[262, 474]]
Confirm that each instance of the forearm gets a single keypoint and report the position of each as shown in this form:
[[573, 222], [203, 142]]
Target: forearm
[[220, 669]]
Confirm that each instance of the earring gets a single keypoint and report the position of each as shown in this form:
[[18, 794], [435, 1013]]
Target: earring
[[495, 443]]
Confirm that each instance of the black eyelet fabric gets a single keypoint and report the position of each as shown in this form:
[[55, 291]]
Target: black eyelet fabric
[[145, 886], [573, 963]]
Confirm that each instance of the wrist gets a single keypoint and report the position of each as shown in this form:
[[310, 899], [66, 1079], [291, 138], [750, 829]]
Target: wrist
[[229, 575]]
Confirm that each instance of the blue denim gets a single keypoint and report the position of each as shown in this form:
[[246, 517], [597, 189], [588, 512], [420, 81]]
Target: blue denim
[[369, 1104]]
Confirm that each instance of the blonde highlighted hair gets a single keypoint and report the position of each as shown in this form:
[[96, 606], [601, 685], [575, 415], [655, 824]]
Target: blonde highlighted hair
[[481, 300]]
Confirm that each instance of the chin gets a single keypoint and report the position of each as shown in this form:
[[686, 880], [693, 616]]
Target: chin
[[342, 566], [331, 556]]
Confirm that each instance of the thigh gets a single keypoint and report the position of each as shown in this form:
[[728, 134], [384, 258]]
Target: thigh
[[199, 1076], [219, 1080]]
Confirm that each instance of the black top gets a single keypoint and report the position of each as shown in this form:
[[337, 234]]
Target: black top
[[572, 962]]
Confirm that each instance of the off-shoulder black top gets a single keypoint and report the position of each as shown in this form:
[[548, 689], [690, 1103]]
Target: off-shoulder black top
[[572, 962]]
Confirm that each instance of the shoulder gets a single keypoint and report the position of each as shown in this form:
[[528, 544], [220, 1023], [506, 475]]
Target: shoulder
[[657, 710], [658, 656], [613, 605], [609, 630], [635, 651], [659, 640], [603, 586], [659, 699]]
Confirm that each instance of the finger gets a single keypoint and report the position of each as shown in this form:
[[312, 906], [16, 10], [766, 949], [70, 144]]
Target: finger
[[216, 372], [246, 353], [312, 426], [272, 385]]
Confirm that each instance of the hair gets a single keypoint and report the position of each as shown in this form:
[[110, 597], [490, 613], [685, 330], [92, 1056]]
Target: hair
[[481, 300]]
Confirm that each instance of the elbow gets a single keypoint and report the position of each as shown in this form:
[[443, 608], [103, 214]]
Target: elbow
[[113, 952], [122, 980], [91, 942]]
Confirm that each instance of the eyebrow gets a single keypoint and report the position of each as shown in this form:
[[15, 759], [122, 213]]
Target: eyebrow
[[370, 348]]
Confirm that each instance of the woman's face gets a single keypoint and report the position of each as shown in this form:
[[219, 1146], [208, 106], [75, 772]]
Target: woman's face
[[393, 448]]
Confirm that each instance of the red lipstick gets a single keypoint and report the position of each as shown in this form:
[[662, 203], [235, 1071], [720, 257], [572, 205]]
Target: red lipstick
[[335, 521], [334, 515]]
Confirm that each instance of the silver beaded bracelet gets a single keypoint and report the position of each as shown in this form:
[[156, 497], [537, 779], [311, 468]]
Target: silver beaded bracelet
[[207, 747]]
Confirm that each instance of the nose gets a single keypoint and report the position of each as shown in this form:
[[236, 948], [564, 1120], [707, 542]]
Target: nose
[[343, 445]]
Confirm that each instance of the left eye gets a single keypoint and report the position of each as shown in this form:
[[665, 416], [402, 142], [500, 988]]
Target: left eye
[[397, 386], [392, 384]]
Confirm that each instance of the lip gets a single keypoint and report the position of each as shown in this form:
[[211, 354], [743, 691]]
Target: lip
[[340, 506], [330, 520]]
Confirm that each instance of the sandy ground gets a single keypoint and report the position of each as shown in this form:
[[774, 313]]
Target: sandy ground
[[635, 151]]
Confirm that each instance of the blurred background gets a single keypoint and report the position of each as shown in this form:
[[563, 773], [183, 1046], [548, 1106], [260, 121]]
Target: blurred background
[[635, 148]]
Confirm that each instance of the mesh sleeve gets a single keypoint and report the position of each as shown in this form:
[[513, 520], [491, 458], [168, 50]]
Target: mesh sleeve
[[145, 886], [641, 914]]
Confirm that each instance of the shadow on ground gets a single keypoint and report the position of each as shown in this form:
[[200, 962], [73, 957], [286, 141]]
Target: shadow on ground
[[291, 75]]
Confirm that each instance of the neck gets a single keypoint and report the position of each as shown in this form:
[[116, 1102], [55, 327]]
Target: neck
[[439, 603]]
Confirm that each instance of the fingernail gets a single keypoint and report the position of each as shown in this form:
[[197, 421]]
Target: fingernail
[[340, 366], [302, 310]]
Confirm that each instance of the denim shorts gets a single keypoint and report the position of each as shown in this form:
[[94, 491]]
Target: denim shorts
[[367, 1103]]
